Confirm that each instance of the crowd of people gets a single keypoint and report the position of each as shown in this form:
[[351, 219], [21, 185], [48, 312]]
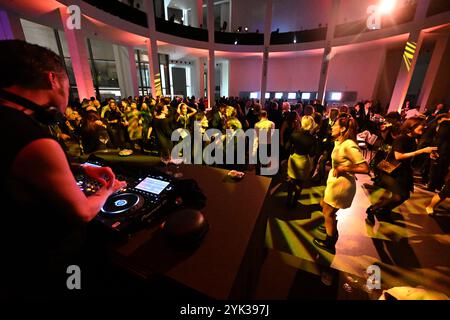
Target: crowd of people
[[46, 204], [310, 139]]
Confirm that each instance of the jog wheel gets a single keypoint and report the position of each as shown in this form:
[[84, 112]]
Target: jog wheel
[[122, 203]]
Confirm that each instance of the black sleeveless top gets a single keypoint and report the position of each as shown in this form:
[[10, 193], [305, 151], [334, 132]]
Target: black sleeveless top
[[37, 241]]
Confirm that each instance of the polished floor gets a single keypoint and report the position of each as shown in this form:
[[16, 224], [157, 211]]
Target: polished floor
[[410, 247]]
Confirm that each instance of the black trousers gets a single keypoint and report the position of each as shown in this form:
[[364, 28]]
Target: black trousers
[[259, 165]]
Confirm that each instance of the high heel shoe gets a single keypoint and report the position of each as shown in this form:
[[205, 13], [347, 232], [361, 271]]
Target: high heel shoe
[[329, 244], [322, 229], [370, 219], [381, 211], [370, 210]]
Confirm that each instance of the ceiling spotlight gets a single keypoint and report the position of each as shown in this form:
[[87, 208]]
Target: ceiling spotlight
[[386, 6], [246, 29]]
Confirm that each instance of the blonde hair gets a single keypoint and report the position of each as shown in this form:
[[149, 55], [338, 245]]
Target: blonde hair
[[308, 123]]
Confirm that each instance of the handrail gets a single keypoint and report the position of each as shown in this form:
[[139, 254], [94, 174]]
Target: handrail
[[301, 36], [239, 38], [121, 10], [401, 16], [180, 30]]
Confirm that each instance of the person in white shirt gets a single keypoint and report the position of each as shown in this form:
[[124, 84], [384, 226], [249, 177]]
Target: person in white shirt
[[264, 126], [414, 112]]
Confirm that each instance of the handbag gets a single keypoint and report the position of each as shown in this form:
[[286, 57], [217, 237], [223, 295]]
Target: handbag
[[388, 167]]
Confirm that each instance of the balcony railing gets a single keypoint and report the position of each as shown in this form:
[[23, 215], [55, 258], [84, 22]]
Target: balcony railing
[[318, 34], [121, 10], [180, 30], [239, 38], [136, 16]]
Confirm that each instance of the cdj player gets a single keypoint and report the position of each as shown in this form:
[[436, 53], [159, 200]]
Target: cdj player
[[143, 200]]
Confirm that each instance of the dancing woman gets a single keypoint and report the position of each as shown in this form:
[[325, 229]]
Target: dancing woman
[[341, 185], [401, 182]]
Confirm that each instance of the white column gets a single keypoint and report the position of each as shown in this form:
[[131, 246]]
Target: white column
[[76, 43], [406, 71], [166, 13], [327, 54], [10, 26], [134, 76], [224, 83], [124, 70], [323, 79], [152, 48], [432, 71], [410, 56], [211, 59], [155, 75], [201, 79], [265, 62]]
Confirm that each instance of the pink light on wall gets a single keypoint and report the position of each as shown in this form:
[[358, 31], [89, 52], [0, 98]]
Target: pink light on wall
[[386, 6], [119, 35], [78, 52], [237, 55]]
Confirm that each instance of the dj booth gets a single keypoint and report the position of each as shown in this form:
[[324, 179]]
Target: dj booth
[[227, 262]]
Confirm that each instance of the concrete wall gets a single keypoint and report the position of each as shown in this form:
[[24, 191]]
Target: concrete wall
[[348, 71], [245, 75], [355, 71], [389, 75], [441, 87]]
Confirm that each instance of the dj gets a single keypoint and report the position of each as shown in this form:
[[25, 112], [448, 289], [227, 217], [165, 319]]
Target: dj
[[43, 210]]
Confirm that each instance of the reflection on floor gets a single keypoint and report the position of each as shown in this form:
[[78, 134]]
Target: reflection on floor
[[410, 247]]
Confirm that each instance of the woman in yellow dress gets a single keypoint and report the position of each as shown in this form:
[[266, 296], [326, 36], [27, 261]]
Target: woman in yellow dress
[[303, 146], [341, 185]]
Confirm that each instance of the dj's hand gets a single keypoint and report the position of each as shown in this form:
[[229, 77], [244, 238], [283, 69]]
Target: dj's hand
[[104, 175], [118, 185]]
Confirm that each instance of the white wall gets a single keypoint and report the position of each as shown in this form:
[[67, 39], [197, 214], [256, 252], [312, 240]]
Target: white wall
[[39, 34], [123, 67], [224, 81], [292, 74], [300, 14], [248, 13], [195, 91], [284, 74], [348, 71], [355, 71], [102, 49], [245, 75]]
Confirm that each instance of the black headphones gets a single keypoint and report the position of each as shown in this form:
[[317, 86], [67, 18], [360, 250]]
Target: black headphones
[[47, 115]]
